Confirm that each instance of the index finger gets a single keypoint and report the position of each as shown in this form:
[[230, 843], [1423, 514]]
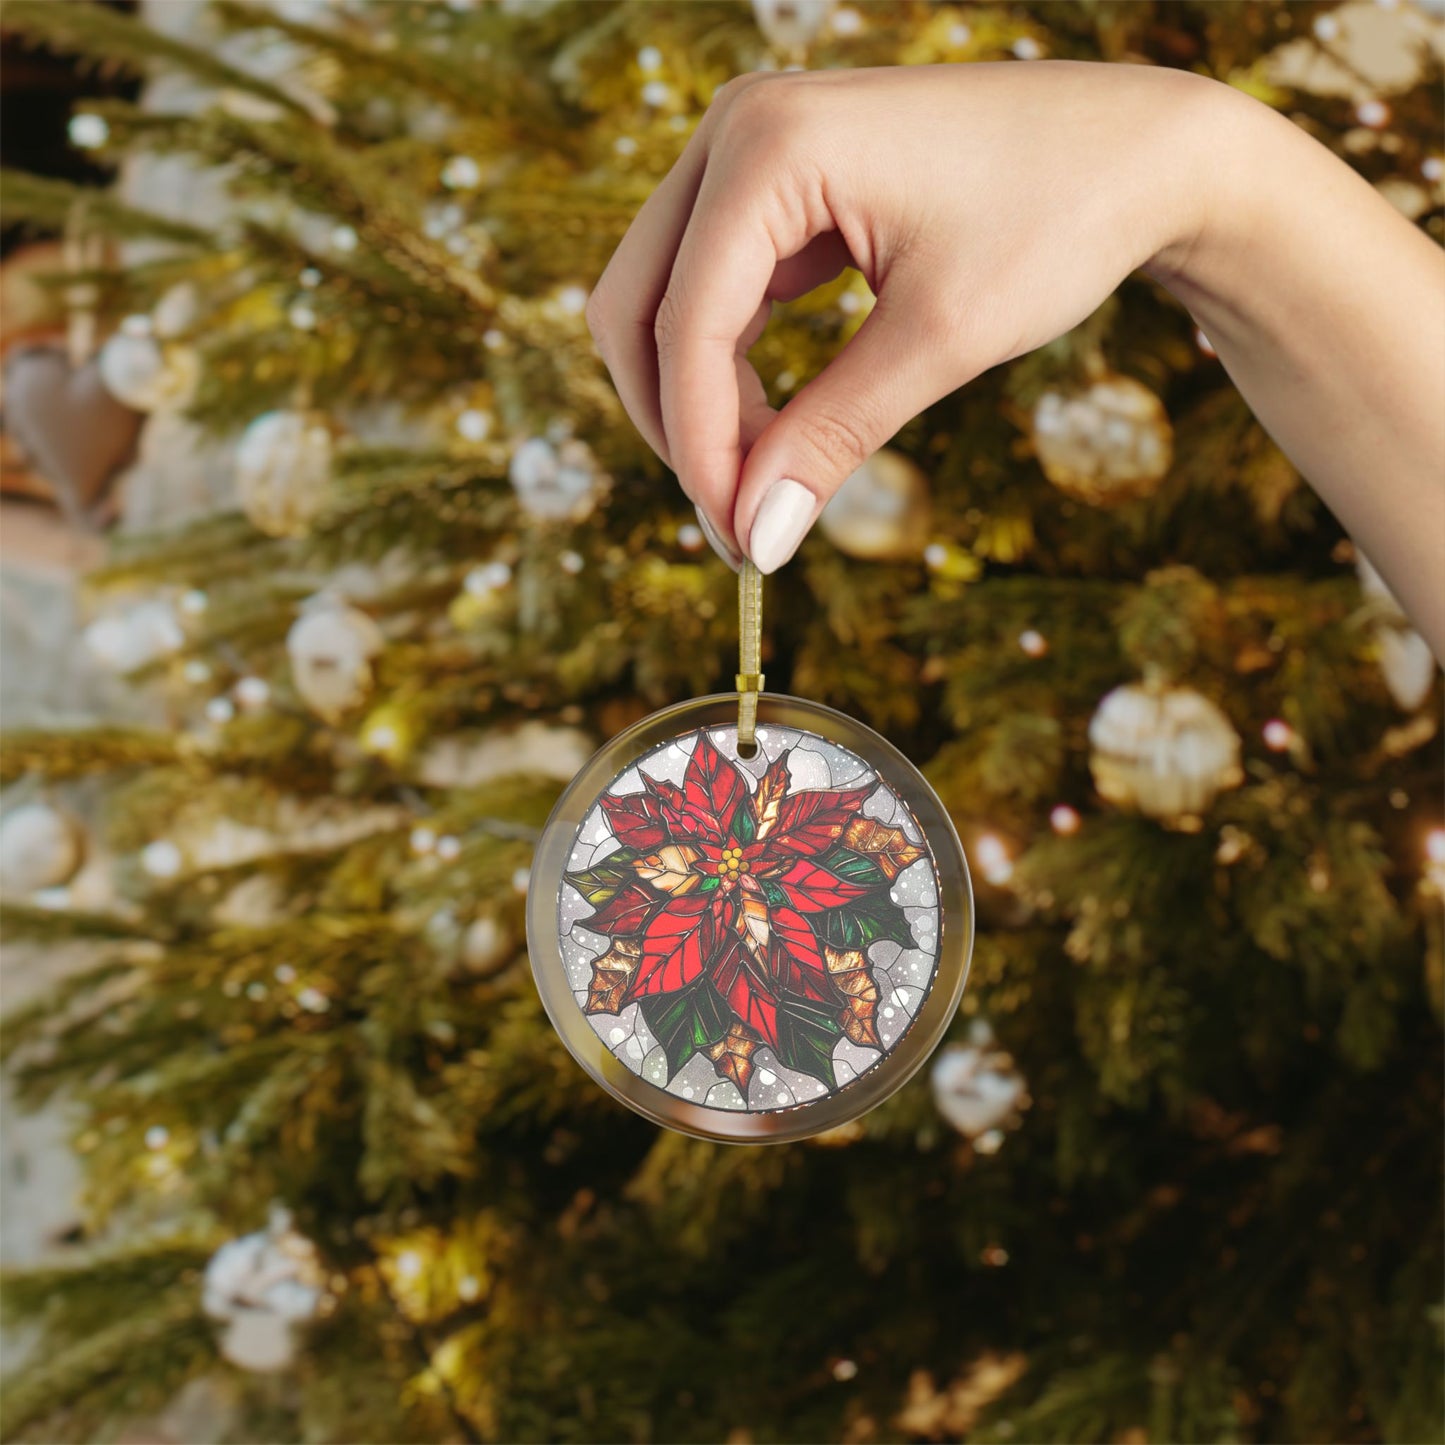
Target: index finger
[[718, 288]]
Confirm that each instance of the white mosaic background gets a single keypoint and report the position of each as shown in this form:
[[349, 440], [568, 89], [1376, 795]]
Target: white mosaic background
[[904, 975]]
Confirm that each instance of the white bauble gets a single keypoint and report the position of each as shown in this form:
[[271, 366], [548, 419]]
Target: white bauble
[[261, 1286], [331, 647], [176, 312], [136, 636], [881, 512], [792, 25], [1107, 443], [40, 847], [283, 470], [139, 372], [976, 1086], [487, 945], [555, 482], [1406, 661], [1165, 752]]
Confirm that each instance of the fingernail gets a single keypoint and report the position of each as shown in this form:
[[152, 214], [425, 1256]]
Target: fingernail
[[716, 542], [781, 524]]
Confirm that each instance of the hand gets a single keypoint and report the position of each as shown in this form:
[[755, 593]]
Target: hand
[[990, 208]]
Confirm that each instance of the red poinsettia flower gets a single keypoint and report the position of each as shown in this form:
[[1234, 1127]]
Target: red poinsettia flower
[[740, 914]]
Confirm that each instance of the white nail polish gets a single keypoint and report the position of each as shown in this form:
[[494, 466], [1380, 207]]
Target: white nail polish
[[716, 542], [781, 524]]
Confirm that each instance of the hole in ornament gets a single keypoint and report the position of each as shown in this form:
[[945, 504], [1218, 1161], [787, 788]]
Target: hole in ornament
[[747, 750]]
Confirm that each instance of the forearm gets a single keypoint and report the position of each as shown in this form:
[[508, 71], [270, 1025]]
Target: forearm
[[1327, 309]]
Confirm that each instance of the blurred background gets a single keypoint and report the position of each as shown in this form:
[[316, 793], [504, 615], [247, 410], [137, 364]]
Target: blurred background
[[329, 556]]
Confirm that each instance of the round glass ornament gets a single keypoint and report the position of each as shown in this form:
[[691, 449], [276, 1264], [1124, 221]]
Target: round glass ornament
[[750, 949]]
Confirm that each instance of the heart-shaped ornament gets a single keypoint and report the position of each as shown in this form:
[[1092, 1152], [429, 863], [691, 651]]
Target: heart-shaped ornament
[[74, 431]]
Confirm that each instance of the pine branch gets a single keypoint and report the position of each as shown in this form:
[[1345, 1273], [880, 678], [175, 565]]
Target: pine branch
[[113, 39], [51, 204]]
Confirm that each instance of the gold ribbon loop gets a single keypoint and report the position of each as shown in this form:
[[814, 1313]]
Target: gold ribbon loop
[[750, 655]]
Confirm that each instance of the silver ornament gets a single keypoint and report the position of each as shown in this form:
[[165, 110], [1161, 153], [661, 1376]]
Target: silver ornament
[[555, 481], [881, 512], [261, 1287], [283, 470], [1107, 443], [40, 847], [331, 647], [142, 373], [976, 1087], [1163, 751]]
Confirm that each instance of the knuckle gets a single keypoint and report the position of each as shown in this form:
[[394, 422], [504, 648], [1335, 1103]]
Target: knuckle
[[667, 325], [840, 441], [597, 316], [765, 114]]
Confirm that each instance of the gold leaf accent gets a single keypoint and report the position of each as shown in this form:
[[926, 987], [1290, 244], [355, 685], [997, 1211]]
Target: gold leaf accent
[[888, 847], [669, 870], [732, 1056], [771, 789], [611, 973], [849, 971]]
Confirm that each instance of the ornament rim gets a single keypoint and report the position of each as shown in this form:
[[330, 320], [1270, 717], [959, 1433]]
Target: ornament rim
[[956, 924]]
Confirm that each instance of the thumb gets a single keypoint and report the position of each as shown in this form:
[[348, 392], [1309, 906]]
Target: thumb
[[900, 361]]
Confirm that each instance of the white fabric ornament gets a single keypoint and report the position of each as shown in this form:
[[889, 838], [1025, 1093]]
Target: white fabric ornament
[[976, 1086], [792, 25], [140, 372], [1108, 443], [135, 637], [261, 1287], [881, 512], [40, 847], [555, 482], [283, 470], [331, 647], [1405, 657], [1165, 752]]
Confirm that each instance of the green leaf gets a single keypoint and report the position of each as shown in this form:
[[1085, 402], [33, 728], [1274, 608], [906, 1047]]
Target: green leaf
[[600, 884], [855, 867], [807, 1032], [773, 893], [743, 826], [857, 925], [686, 1021]]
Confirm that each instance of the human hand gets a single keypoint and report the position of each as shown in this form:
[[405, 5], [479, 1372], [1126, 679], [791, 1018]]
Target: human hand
[[990, 208]]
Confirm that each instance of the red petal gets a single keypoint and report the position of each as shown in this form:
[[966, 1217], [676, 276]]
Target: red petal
[[627, 912], [712, 785], [811, 822], [812, 889], [747, 991], [674, 947], [638, 821], [673, 802], [797, 958]]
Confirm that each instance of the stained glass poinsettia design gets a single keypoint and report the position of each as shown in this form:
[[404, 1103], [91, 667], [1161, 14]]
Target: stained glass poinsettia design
[[739, 912]]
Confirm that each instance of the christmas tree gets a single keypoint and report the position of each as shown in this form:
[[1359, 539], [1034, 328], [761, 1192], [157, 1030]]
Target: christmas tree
[[1176, 1176]]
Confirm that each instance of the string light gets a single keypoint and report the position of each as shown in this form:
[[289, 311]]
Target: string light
[[423, 840], [449, 849], [88, 132], [161, 859], [157, 1136], [1033, 642], [220, 710], [489, 577], [845, 1370], [1373, 113], [1278, 735], [253, 692], [1064, 820], [408, 1264], [649, 58]]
